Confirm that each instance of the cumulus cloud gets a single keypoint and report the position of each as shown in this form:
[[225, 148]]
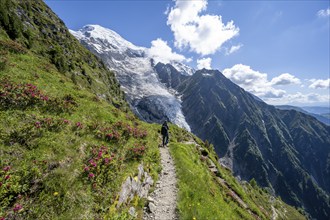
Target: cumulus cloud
[[253, 81], [203, 34], [257, 83], [320, 84], [285, 79], [161, 52], [324, 13], [233, 49], [299, 98], [204, 63]]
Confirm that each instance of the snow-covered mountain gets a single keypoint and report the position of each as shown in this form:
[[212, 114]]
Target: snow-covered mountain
[[134, 68]]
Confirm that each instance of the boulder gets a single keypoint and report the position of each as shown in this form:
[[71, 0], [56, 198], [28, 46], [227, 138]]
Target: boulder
[[152, 207], [132, 211], [125, 192], [139, 185]]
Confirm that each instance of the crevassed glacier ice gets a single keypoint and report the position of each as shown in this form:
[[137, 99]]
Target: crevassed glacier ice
[[134, 70]]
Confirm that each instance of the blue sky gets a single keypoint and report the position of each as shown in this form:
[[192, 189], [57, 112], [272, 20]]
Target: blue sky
[[278, 50]]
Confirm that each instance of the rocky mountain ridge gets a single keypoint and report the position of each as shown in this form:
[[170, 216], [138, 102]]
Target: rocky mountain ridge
[[280, 149], [319, 116]]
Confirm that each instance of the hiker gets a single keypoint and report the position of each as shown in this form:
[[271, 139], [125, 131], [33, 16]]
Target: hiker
[[164, 132]]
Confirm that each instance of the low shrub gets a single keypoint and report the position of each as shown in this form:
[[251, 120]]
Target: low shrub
[[23, 96]]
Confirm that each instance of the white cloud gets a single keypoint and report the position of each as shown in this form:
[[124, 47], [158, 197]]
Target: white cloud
[[234, 49], [161, 52], [204, 63], [320, 84], [257, 83], [253, 81], [167, 10], [324, 12], [203, 34], [299, 98], [285, 79]]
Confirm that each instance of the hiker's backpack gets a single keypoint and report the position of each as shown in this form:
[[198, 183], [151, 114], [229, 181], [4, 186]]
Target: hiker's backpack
[[164, 130]]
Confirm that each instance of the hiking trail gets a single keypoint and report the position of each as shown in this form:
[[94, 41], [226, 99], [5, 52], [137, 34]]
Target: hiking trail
[[162, 202]]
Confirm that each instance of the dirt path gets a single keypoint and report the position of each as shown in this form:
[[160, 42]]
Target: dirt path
[[162, 202]]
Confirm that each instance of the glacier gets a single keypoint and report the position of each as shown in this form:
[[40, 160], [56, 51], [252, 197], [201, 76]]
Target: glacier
[[134, 70]]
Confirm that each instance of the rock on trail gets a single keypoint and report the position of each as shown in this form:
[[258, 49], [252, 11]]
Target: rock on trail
[[162, 202]]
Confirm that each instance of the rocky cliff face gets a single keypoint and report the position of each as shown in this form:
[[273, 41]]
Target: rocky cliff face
[[169, 75]]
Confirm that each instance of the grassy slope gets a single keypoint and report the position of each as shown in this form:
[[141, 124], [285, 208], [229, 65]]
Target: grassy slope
[[202, 197], [47, 176], [46, 143]]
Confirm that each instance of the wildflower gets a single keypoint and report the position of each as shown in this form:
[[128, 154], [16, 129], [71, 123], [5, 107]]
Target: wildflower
[[45, 98], [79, 125], [6, 168], [109, 136], [7, 177], [91, 175], [55, 193], [66, 121], [92, 163], [38, 124], [0, 184], [194, 218], [86, 169], [17, 207], [106, 160]]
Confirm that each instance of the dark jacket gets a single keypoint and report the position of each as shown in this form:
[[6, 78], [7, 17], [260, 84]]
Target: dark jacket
[[164, 130]]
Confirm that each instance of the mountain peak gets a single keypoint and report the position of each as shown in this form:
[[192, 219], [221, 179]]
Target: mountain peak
[[105, 40], [104, 36]]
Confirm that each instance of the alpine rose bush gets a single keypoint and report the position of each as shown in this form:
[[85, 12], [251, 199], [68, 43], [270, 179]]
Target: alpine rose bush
[[22, 96]]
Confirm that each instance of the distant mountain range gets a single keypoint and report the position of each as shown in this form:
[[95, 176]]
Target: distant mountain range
[[320, 113], [317, 109], [286, 151]]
